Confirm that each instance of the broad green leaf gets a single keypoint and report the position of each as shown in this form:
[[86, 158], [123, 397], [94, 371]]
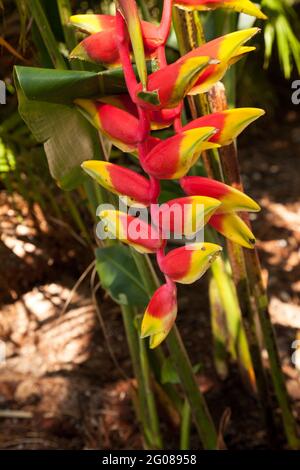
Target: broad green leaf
[[119, 275], [63, 86], [67, 136]]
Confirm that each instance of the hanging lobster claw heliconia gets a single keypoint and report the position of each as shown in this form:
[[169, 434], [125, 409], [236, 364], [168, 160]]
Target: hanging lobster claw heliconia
[[155, 101]]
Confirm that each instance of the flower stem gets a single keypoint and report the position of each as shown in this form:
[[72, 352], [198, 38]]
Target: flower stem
[[203, 421], [180, 359], [128, 315], [185, 430], [229, 161]]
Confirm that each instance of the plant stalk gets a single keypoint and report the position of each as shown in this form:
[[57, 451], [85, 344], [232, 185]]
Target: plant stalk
[[203, 421], [190, 34], [185, 430], [128, 315], [42, 23], [230, 164]]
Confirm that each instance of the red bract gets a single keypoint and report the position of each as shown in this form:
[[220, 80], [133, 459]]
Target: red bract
[[226, 50], [225, 220], [234, 228], [173, 82], [184, 216], [243, 6], [119, 126], [231, 199], [121, 181], [187, 264], [230, 123], [160, 314], [174, 157], [101, 46]]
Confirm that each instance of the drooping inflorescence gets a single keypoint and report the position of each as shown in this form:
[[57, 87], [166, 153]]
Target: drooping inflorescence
[[156, 102]]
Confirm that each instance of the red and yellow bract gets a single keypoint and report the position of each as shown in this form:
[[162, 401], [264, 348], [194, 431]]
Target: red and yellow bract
[[120, 181], [173, 157], [189, 263], [184, 216], [241, 6], [131, 230], [160, 314]]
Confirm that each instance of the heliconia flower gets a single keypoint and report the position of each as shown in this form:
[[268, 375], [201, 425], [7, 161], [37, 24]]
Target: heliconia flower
[[226, 49], [92, 24], [173, 157], [184, 216], [160, 118], [187, 264], [160, 314], [115, 123], [120, 181], [131, 230], [173, 82], [241, 6], [230, 123], [231, 198], [234, 228], [122, 101], [100, 48], [163, 118]]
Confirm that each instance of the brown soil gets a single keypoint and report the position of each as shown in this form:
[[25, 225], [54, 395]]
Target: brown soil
[[59, 388]]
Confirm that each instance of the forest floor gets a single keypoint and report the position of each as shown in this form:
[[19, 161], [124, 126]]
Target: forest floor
[[59, 388]]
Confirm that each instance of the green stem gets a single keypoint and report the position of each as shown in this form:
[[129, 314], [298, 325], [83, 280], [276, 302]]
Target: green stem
[[157, 359], [220, 334], [128, 315], [151, 405], [229, 160], [146, 272], [65, 11], [185, 429], [180, 359], [202, 417], [238, 346], [77, 217]]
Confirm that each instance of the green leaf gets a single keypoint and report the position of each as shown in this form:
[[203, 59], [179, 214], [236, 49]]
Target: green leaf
[[45, 103], [63, 86], [149, 97], [67, 136], [119, 275], [169, 374]]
